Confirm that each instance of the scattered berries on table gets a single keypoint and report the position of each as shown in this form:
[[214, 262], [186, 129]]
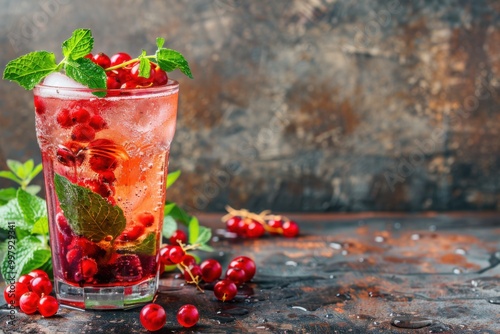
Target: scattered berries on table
[[153, 317], [188, 315]]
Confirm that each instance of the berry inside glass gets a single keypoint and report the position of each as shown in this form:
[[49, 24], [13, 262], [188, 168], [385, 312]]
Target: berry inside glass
[[105, 162]]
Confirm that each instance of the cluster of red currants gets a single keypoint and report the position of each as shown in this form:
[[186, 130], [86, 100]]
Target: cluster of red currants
[[31, 293], [153, 316], [123, 72], [252, 225]]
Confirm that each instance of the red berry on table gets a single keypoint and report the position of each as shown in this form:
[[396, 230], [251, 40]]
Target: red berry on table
[[119, 58], [29, 302], [225, 290], [290, 229], [83, 133], [245, 263], [178, 235], [164, 255], [195, 273], [13, 293], [41, 285], [176, 254], [236, 275], [188, 261], [101, 59], [188, 315], [232, 224], [48, 306], [153, 317], [146, 218], [254, 229], [39, 273], [25, 279], [210, 270], [275, 225]]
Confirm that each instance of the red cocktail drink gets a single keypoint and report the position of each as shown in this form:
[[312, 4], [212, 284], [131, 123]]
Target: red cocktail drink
[[105, 163]]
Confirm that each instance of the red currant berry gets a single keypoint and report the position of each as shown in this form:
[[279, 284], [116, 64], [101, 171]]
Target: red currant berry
[[39, 105], [25, 279], [65, 157], [290, 229], [195, 272], [176, 254], [134, 72], [102, 60], [242, 228], [99, 163], [119, 58], [97, 122], [29, 302], [178, 235], [164, 255], [146, 218], [87, 268], [83, 133], [255, 229], [107, 176], [188, 315], [41, 285], [13, 292], [275, 226], [80, 115], [210, 270], [188, 261], [161, 77], [153, 317], [63, 225], [89, 56], [48, 306], [63, 118], [236, 275], [233, 223], [245, 263], [73, 255], [112, 82], [225, 290], [130, 85], [39, 273], [132, 233]]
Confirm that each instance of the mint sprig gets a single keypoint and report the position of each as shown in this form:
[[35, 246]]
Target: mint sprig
[[30, 69]]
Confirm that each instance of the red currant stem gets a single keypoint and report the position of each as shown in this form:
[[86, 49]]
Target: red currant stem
[[270, 229], [195, 280], [243, 213], [126, 63]]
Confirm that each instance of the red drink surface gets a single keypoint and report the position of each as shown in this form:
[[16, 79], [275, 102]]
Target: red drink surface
[[117, 148]]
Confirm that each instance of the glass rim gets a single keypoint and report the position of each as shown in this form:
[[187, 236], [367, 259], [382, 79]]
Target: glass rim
[[171, 85]]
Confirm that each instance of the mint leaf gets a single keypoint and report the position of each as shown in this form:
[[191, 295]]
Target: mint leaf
[[11, 212], [41, 226], [159, 42], [30, 69], [168, 208], [33, 189], [204, 235], [32, 207], [169, 226], [78, 45], [88, 213], [28, 254], [144, 68], [35, 171], [172, 177], [178, 214], [193, 230], [7, 194], [7, 174], [170, 60], [147, 246], [87, 73], [17, 168]]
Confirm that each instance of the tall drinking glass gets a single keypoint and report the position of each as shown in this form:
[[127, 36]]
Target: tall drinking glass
[[105, 163]]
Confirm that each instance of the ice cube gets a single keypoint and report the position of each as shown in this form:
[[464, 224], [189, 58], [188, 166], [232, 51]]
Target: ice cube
[[53, 83]]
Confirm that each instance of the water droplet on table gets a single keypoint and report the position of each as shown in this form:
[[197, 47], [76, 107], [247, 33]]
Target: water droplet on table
[[411, 322], [494, 300]]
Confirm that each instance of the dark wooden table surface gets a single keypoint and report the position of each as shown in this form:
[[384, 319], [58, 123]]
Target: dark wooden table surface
[[370, 273]]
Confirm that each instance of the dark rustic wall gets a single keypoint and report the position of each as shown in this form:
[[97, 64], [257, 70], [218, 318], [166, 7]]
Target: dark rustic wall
[[304, 105]]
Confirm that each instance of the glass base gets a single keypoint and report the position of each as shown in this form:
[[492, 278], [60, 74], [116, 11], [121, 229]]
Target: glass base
[[106, 298]]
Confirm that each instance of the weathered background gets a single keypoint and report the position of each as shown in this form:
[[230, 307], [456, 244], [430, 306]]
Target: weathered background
[[304, 105]]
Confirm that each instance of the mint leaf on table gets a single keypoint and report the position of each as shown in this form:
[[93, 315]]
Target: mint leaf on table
[[30, 254], [169, 60], [87, 73], [88, 213], [30, 69], [78, 45]]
